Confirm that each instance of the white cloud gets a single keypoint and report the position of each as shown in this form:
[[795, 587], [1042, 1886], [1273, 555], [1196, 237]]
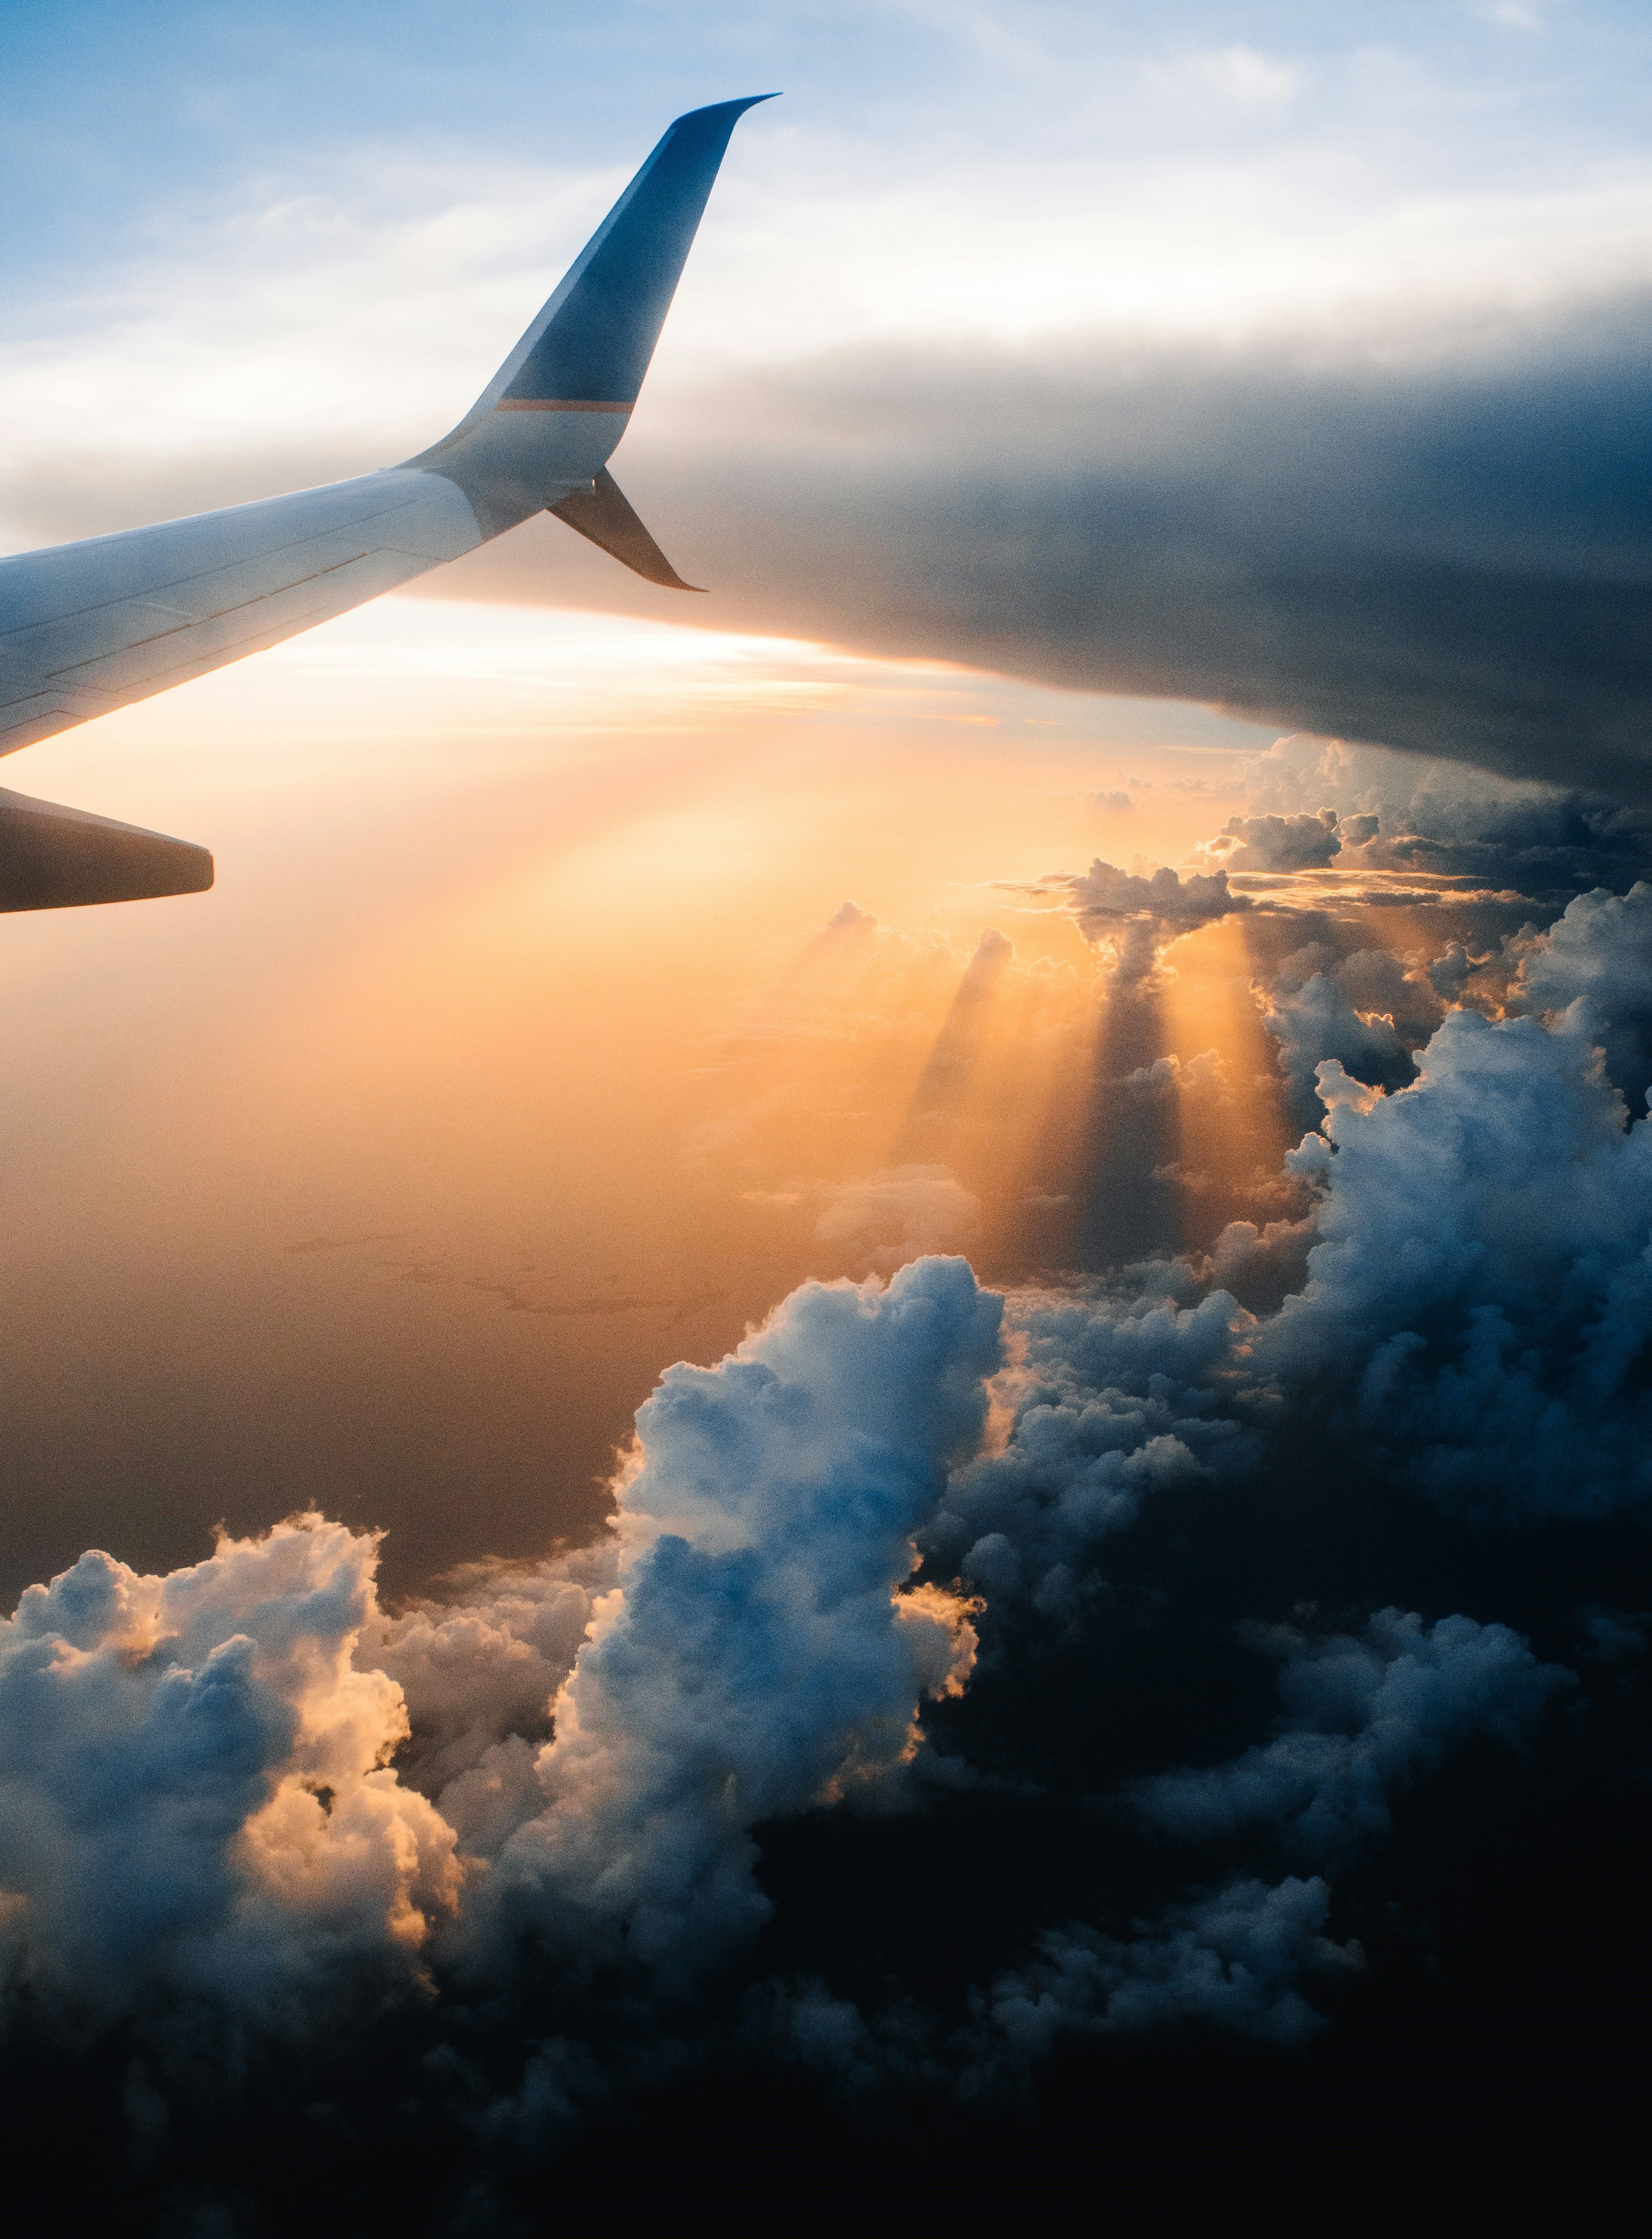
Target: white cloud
[[196, 1801], [899, 1214], [758, 1654], [193, 1797], [1243, 75]]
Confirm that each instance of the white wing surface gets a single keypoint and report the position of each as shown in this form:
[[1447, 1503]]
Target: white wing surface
[[85, 627], [90, 627]]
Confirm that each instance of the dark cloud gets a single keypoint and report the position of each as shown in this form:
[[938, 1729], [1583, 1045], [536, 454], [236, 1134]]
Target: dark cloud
[[1404, 816], [1138, 914], [1103, 895], [1439, 544], [1363, 1011], [1437, 539], [1364, 1718]]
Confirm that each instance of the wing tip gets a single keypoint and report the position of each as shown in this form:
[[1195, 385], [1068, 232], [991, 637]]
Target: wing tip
[[723, 107]]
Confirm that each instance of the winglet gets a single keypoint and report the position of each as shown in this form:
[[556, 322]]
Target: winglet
[[604, 513], [592, 343], [553, 414]]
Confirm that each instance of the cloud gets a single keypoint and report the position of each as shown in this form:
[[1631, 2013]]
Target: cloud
[[1487, 1323], [850, 918], [1277, 843], [1371, 540], [1104, 894], [1171, 1076], [193, 1798], [587, 1750], [1353, 1011], [1368, 528], [1363, 1717], [1361, 539], [477, 1669], [1136, 915], [758, 1653], [1238, 1961], [196, 1801], [1444, 1306], [1422, 818], [544, 1816], [1241, 74], [1112, 1399], [900, 1214], [1591, 973]]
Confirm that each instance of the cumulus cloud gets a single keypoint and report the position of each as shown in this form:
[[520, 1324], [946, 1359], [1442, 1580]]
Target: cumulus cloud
[[1104, 894], [1241, 1960], [196, 1800], [758, 1653], [1468, 1298], [1136, 915], [477, 1669], [1171, 1075], [1362, 1011], [194, 1797], [1480, 1281], [1418, 815], [1592, 974], [1112, 1399], [247, 1788], [1363, 1717], [1277, 843]]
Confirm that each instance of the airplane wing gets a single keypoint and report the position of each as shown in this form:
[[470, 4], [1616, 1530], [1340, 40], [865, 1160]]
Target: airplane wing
[[90, 627]]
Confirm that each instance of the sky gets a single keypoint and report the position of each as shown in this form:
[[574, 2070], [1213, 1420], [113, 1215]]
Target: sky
[[874, 1349]]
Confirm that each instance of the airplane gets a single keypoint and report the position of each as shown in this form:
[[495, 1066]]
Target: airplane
[[90, 626]]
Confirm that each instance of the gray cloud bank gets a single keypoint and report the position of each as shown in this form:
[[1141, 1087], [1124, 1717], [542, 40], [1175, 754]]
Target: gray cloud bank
[[1437, 541], [1430, 536]]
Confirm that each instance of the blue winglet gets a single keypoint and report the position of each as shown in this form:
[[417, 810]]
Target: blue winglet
[[596, 345], [545, 427]]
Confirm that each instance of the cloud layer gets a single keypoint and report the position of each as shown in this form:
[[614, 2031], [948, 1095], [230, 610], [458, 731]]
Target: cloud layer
[[1382, 544]]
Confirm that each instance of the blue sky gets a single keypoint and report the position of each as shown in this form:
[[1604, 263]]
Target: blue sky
[[299, 238], [118, 116]]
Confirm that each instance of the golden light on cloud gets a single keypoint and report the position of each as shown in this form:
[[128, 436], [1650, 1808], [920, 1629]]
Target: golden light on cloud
[[1231, 1130], [526, 1040]]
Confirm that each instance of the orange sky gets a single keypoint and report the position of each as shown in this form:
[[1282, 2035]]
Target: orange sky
[[510, 1058]]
